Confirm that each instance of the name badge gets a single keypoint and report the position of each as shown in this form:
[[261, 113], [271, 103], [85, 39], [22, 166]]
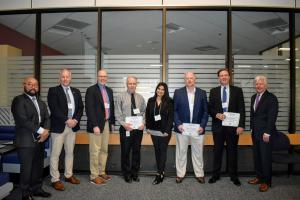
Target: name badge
[[106, 105], [70, 106], [127, 133], [157, 117], [136, 111], [224, 105]]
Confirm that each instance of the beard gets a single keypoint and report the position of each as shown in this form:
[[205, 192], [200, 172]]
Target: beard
[[31, 92]]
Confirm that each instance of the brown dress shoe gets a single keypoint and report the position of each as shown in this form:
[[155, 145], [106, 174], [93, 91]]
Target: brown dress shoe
[[179, 179], [254, 181], [72, 180], [105, 177], [200, 180], [58, 185], [98, 181], [263, 187]]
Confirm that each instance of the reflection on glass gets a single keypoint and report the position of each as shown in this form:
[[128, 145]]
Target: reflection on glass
[[131, 45], [196, 41], [261, 47], [297, 28], [17, 48], [69, 40]]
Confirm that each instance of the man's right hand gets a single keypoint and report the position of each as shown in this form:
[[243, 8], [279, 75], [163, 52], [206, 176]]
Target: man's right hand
[[180, 128], [96, 130], [220, 116], [127, 127]]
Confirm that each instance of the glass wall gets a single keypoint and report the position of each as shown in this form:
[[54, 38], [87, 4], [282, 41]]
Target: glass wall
[[69, 40], [17, 49], [261, 47], [297, 23], [196, 41], [132, 45]]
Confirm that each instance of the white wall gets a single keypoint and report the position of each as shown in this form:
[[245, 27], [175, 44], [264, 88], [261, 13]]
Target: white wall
[[27, 4], [264, 3]]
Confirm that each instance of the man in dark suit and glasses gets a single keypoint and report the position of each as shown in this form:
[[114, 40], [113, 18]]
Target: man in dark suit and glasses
[[66, 109], [99, 105], [263, 116], [226, 98], [32, 129]]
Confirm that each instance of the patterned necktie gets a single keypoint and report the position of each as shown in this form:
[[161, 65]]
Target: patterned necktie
[[224, 99], [106, 102], [69, 103], [36, 105], [256, 101], [133, 106]]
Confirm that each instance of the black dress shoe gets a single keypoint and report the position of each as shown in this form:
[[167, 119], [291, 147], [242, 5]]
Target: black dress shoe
[[213, 179], [27, 197], [135, 178], [41, 193], [158, 179], [236, 181], [128, 179]]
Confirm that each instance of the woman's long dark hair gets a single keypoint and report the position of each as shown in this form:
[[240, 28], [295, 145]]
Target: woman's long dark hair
[[166, 95]]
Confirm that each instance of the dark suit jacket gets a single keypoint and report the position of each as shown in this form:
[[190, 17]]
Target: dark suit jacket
[[58, 104], [182, 110], [264, 118], [95, 110], [236, 104], [166, 113], [27, 119]]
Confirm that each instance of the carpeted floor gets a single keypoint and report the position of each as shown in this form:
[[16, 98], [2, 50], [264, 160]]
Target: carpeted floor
[[283, 188]]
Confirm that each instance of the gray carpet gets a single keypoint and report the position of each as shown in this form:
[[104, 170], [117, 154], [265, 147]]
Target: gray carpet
[[283, 188]]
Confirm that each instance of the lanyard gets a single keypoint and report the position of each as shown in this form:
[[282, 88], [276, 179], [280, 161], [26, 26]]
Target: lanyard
[[155, 108]]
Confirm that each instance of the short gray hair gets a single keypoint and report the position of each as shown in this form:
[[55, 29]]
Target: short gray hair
[[261, 78]]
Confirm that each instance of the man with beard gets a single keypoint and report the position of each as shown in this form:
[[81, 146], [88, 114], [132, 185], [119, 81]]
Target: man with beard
[[32, 129]]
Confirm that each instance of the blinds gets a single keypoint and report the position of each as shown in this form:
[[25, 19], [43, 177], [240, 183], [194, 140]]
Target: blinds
[[276, 69], [205, 68], [83, 69]]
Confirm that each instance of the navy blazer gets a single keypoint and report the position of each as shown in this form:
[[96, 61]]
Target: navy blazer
[[236, 104], [263, 119], [182, 110], [58, 104], [95, 110], [27, 119]]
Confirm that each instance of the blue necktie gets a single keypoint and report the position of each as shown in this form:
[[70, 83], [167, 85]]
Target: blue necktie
[[224, 99]]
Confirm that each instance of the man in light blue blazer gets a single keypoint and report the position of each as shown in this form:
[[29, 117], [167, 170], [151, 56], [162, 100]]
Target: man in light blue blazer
[[190, 118]]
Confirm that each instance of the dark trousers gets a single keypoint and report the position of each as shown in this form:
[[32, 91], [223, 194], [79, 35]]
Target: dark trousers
[[262, 154], [229, 136], [130, 144], [32, 166], [161, 147]]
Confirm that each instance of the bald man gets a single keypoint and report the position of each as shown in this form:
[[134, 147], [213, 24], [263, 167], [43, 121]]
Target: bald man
[[32, 129], [190, 109]]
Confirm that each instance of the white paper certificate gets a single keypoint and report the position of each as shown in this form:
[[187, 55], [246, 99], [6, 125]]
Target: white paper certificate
[[190, 129], [231, 119], [135, 121]]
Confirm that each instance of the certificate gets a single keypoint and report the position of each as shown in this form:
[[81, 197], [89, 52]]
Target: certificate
[[135, 121], [157, 133], [190, 129], [231, 119]]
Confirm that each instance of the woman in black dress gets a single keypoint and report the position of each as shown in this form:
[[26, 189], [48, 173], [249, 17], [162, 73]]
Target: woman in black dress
[[159, 123]]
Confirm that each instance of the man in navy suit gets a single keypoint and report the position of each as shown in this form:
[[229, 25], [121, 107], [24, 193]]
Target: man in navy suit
[[32, 129], [100, 112], [190, 109], [264, 110], [226, 98], [66, 109]]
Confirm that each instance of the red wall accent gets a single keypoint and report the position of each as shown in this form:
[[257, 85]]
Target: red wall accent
[[16, 39]]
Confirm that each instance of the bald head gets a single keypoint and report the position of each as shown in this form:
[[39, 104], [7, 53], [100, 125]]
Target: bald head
[[31, 86]]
